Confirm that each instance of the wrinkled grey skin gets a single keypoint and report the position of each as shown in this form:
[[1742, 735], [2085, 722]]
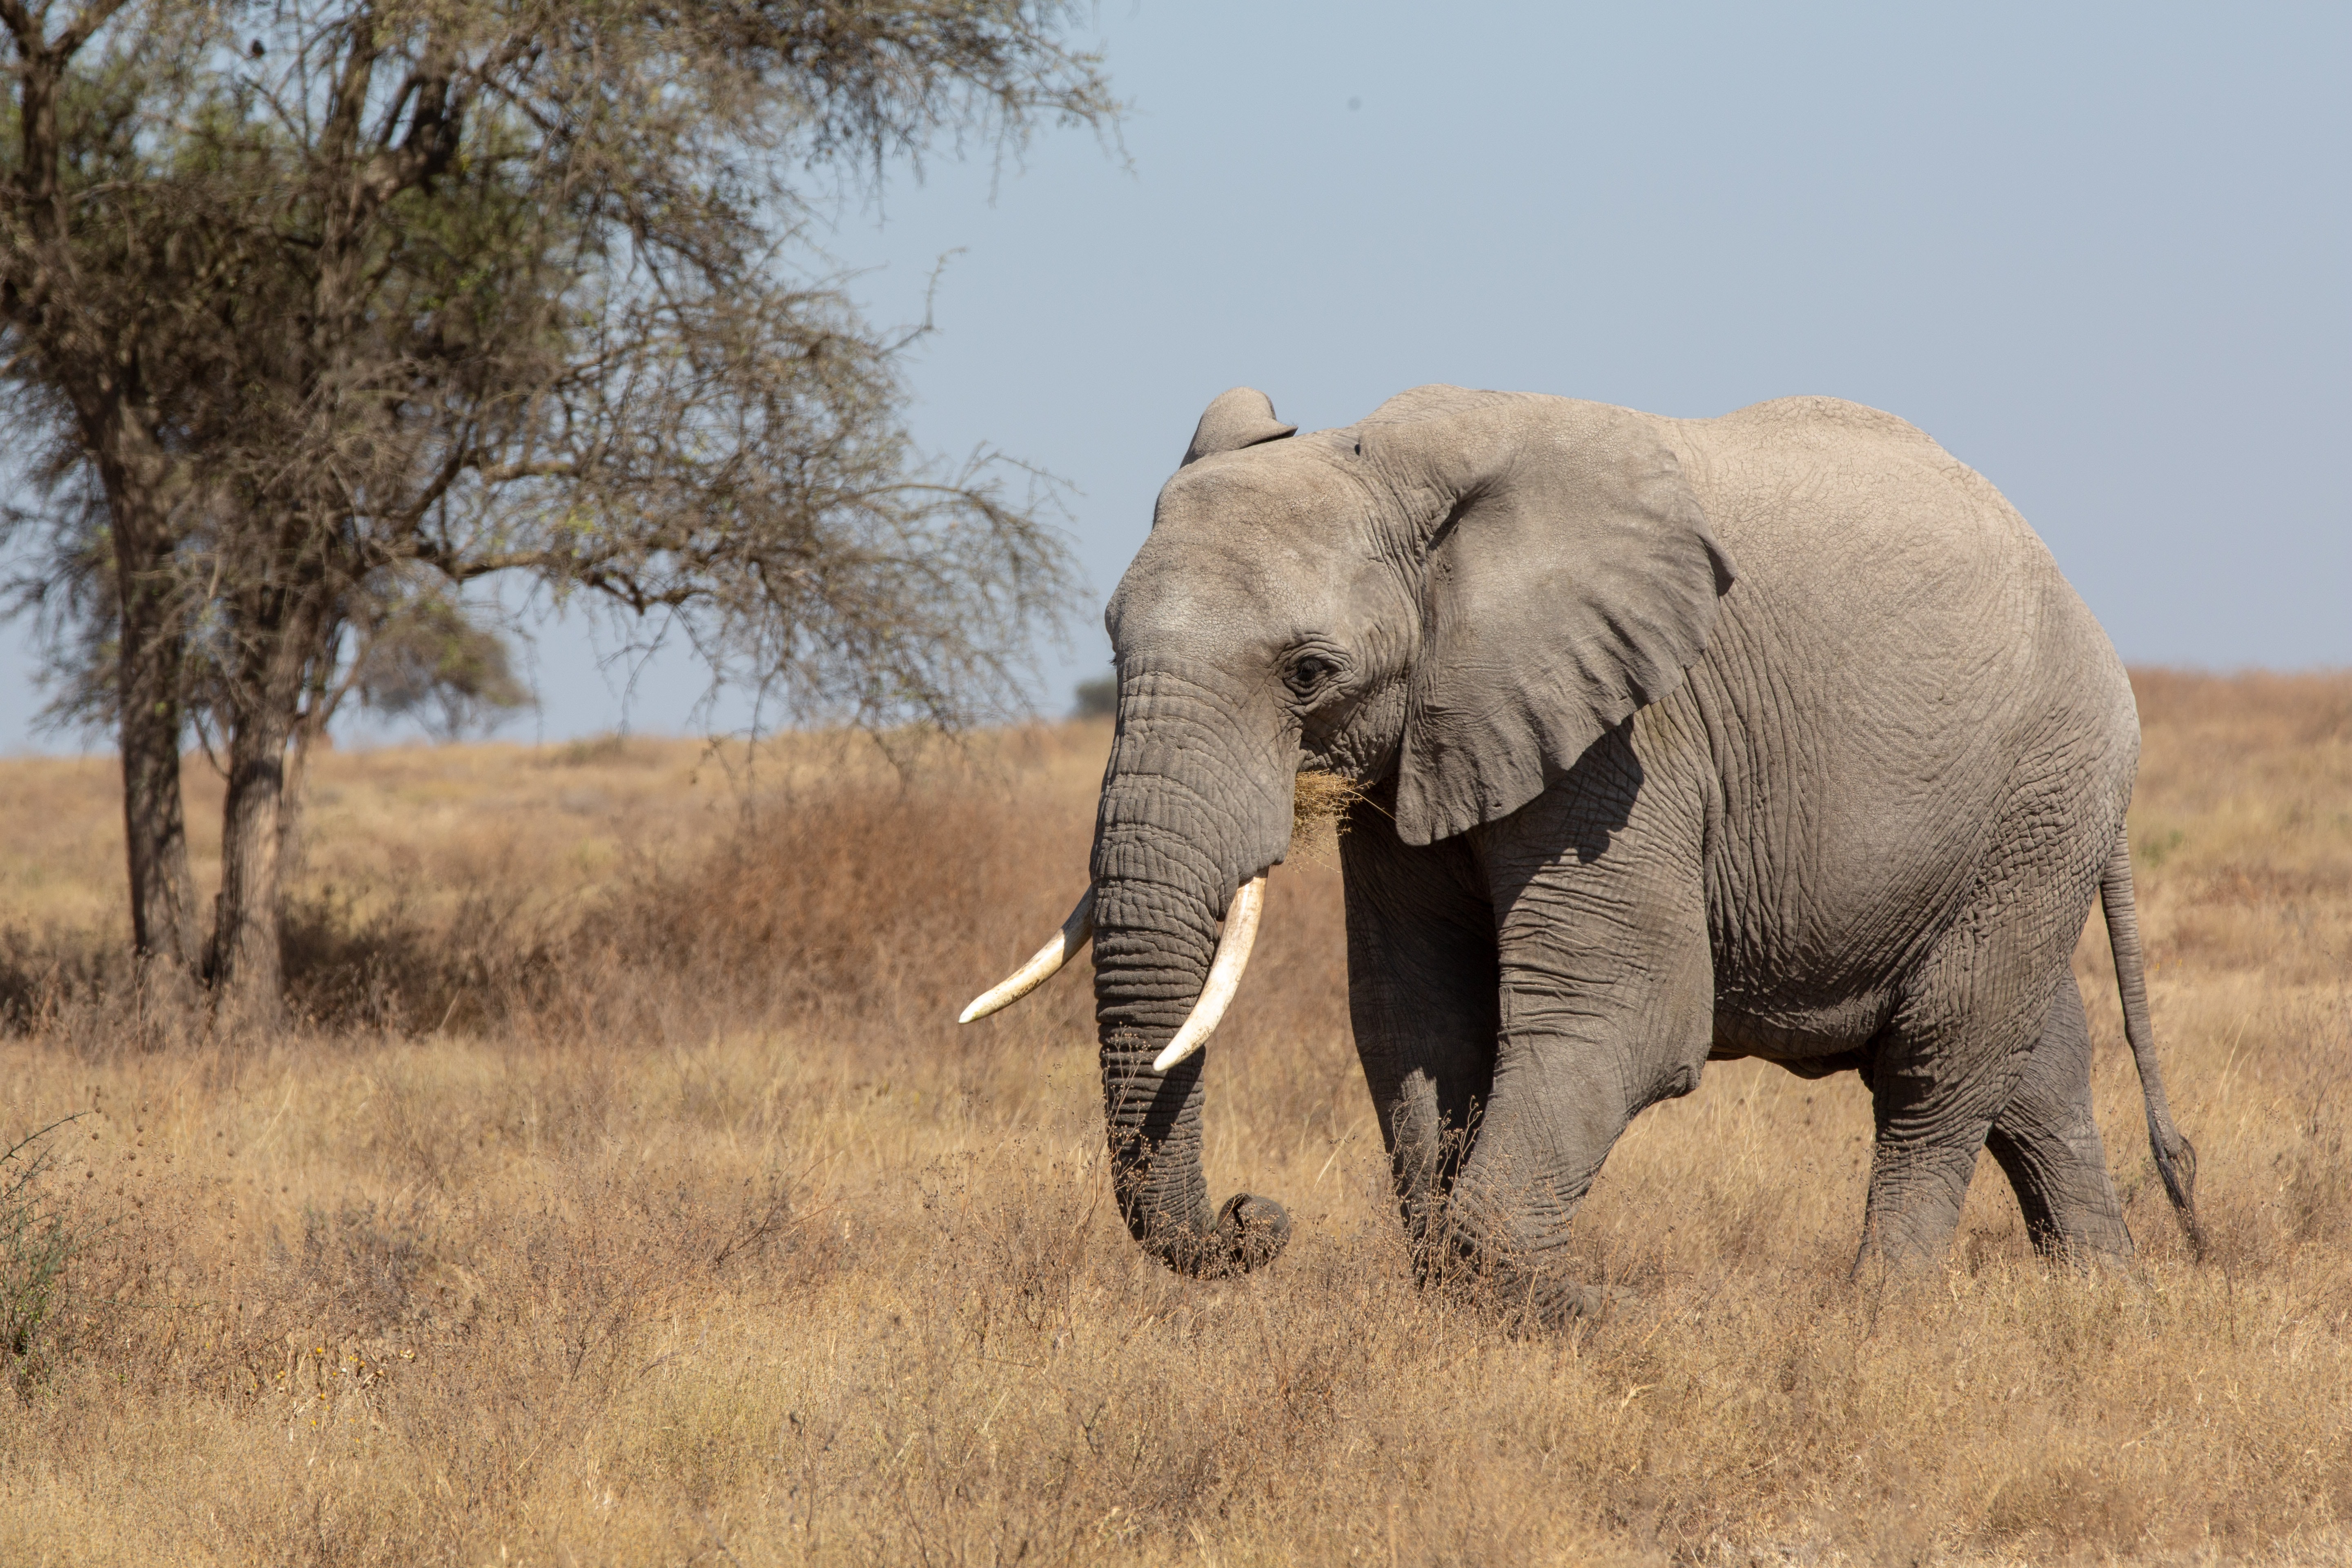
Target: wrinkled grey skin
[[1778, 735]]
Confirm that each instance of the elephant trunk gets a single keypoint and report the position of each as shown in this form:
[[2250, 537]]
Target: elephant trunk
[[1178, 834]]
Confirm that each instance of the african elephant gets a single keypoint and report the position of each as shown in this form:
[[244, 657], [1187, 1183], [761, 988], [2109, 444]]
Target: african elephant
[[1776, 735]]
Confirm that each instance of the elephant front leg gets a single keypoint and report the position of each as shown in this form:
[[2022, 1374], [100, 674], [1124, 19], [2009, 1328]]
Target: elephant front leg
[[1579, 1060], [1606, 984], [1421, 996]]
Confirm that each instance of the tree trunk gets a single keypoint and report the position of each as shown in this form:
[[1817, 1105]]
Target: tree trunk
[[260, 827], [291, 845], [321, 696], [246, 968], [154, 823], [149, 719]]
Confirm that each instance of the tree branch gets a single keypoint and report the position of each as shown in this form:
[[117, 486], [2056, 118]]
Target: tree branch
[[93, 17], [23, 26]]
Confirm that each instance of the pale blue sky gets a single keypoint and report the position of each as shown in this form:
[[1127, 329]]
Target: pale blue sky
[[2103, 254]]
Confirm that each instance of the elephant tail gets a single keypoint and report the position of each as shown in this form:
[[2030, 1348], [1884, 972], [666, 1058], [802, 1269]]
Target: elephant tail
[[2176, 1157]]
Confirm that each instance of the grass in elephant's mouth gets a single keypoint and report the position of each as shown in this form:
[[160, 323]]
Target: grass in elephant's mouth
[[645, 1204], [1319, 816]]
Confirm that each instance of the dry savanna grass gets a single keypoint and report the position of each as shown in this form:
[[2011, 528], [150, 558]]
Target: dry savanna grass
[[631, 1197]]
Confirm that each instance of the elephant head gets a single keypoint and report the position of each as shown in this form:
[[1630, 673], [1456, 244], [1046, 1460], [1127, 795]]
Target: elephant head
[[1456, 595]]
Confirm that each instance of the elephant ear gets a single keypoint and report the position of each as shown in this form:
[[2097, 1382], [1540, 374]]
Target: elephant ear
[[1241, 417], [1570, 580]]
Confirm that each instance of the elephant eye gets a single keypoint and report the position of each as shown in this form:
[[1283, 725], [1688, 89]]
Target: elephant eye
[[1307, 674]]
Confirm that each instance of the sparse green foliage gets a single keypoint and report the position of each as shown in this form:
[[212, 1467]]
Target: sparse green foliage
[[2157, 844], [426, 659], [1096, 698], [35, 1242]]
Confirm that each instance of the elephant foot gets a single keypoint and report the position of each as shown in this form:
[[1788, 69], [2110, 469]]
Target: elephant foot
[[1555, 1304], [1597, 1302], [1521, 1296]]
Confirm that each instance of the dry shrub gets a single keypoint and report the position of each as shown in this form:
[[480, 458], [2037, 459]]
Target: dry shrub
[[396, 969], [48, 973], [831, 900], [698, 1230]]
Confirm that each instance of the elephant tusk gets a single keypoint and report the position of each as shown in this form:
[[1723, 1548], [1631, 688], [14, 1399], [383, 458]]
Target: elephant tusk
[[1075, 933], [1224, 974]]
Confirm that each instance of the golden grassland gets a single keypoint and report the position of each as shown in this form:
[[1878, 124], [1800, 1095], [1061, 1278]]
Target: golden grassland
[[630, 1196]]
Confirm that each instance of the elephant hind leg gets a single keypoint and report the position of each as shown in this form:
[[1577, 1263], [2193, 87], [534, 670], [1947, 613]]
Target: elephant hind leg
[[1940, 1074], [2047, 1143], [1956, 1057]]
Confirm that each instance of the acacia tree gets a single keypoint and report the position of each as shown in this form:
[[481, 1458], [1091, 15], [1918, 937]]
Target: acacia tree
[[329, 308]]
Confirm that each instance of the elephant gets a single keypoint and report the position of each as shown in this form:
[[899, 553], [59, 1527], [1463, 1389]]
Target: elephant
[[1776, 735]]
